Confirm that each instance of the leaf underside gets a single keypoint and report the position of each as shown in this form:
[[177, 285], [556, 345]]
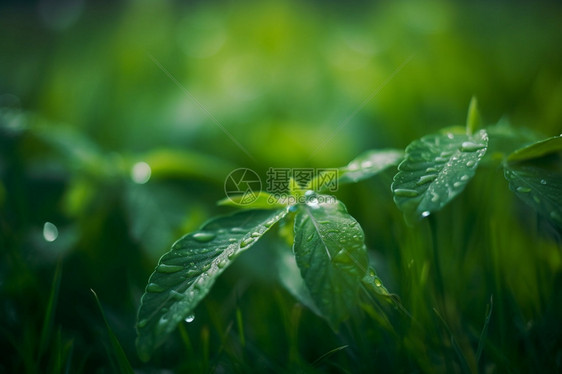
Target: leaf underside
[[436, 169], [186, 274], [368, 164], [534, 174], [332, 258], [540, 189]]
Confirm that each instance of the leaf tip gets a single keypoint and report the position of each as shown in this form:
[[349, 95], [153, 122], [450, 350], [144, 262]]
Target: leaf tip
[[473, 117]]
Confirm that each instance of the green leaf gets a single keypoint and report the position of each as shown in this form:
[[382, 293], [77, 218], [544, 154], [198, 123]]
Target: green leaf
[[186, 274], [331, 255], [473, 120], [368, 164], [290, 277], [362, 167], [536, 150], [504, 139], [436, 169], [261, 200], [373, 283], [534, 174]]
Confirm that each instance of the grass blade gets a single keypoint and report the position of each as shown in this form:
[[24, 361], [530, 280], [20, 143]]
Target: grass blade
[[117, 350], [484, 332]]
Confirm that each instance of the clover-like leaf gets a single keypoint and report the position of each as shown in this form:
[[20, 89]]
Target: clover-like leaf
[[436, 169], [186, 274], [331, 255]]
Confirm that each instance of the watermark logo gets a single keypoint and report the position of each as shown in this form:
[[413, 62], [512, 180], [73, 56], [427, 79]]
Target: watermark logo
[[245, 182], [242, 186]]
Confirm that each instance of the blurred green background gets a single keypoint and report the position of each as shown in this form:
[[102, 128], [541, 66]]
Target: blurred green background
[[90, 89]]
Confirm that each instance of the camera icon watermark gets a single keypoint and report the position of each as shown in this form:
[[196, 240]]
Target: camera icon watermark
[[245, 182], [243, 186]]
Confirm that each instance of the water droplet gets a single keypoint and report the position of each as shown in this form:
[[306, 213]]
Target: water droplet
[[143, 323], [232, 240], [256, 235], [153, 287], [200, 282], [163, 268], [310, 237], [366, 164], [192, 273], [140, 172], [246, 242], [313, 203], [222, 264], [293, 208], [342, 257], [441, 159], [378, 282], [425, 213], [450, 136], [471, 146], [190, 318], [523, 189], [465, 178], [176, 295], [434, 197], [204, 237], [406, 192], [270, 223], [238, 230], [353, 166], [206, 267], [470, 164], [431, 170], [543, 181], [446, 153], [457, 184], [231, 254], [426, 179], [50, 232], [162, 322], [309, 193]]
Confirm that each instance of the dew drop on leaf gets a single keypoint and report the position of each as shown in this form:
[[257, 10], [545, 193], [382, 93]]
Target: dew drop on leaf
[[176, 295], [523, 189], [426, 179], [163, 268], [406, 192], [471, 146], [246, 242], [204, 237], [50, 232], [425, 213], [140, 172], [190, 318], [153, 287]]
